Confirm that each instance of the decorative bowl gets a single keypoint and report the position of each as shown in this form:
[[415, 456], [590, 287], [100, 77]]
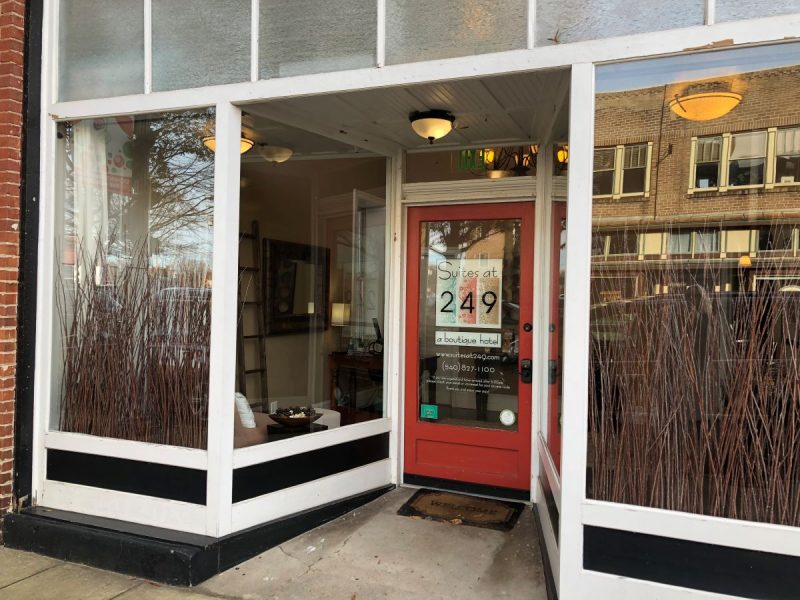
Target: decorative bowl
[[289, 417]]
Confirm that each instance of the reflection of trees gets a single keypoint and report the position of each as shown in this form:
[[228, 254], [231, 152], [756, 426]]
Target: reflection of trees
[[172, 188], [180, 174], [459, 236]]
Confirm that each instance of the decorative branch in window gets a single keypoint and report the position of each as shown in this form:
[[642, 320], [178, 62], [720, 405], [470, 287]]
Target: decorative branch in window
[[135, 351], [695, 386]]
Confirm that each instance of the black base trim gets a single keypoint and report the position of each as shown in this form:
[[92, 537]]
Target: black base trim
[[124, 475], [159, 554], [695, 565], [464, 487], [265, 478], [549, 580]]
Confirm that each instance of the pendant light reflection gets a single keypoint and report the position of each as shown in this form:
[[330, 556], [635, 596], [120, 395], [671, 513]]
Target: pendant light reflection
[[432, 124], [705, 106]]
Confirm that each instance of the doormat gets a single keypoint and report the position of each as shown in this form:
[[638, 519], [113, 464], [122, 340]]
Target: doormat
[[458, 509]]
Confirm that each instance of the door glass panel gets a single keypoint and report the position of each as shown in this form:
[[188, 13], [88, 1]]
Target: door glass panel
[[469, 323]]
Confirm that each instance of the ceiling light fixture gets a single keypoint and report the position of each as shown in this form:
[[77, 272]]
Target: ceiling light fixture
[[432, 124], [245, 143], [276, 154], [705, 106]]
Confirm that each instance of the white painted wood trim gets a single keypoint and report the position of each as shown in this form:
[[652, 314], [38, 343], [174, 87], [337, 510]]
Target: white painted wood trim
[[190, 458], [601, 585], [550, 471], [541, 304], [762, 537], [289, 501], [380, 37], [394, 340], [253, 455], [469, 189], [711, 12], [531, 25], [396, 310], [148, 46], [548, 533], [754, 31], [135, 508], [576, 329], [255, 34], [224, 302], [559, 187], [45, 253]]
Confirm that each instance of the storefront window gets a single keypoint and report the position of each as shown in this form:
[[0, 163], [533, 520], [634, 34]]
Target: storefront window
[[695, 342], [133, 277], [312, 270]]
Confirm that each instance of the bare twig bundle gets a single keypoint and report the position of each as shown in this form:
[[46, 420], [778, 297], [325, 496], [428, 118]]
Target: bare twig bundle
[[135, 350], [695, 390]]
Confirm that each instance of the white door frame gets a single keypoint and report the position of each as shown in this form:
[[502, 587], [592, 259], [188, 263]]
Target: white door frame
[[444, 193]]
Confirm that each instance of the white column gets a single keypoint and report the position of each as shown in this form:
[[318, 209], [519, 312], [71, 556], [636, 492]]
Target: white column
[[224, 288], [576, 330]]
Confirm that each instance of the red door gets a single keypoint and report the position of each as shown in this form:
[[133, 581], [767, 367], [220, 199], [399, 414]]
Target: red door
[[469, 308]]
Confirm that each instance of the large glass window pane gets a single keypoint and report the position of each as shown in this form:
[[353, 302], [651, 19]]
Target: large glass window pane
[[787, 151], [747, 157], [707, 158], [200, 42], [695, 350], [100, 48], [563, 21], [308, 36], [469, 279], [604, 162], [420, 30], [133, 278], [732, 10], [312, 267], [634, 169]]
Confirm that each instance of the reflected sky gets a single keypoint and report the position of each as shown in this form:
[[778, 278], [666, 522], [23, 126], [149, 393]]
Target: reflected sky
[[648, 73]]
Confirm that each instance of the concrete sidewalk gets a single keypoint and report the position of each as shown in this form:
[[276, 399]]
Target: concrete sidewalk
[[369, 553]]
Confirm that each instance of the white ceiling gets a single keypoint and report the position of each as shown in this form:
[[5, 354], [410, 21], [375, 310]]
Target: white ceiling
[[489, 111]]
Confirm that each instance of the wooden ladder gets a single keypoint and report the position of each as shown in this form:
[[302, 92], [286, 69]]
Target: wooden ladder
[[251, 305]]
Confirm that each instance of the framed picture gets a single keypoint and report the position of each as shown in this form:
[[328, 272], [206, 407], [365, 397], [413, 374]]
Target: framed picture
[[295, 287]]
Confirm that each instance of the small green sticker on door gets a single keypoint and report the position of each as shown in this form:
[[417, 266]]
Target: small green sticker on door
[[428, 411]]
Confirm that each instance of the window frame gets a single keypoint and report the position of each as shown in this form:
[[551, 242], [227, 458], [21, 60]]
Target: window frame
[[772, 146], [770, 162], [619, 172]]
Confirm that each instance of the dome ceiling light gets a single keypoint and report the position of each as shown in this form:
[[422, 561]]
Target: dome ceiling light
[[432, 124], [245, 143], [275, 154], [705, 106]]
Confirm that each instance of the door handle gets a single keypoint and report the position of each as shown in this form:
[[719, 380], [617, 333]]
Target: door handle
[[526, 370]]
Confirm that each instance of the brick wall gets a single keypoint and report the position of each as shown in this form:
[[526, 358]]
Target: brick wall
[[635, 116], [12, 14]]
